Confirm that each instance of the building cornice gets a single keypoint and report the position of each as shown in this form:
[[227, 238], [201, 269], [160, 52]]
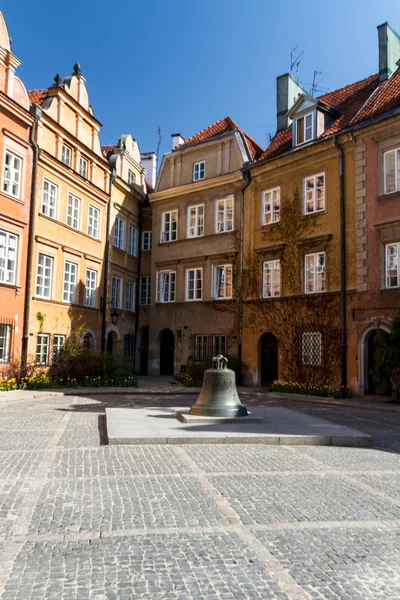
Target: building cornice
[[198, 187]]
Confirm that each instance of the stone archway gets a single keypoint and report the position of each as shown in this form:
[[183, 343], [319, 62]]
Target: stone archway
[[167, 352], [268, 358], [111, 343], [366, 355]]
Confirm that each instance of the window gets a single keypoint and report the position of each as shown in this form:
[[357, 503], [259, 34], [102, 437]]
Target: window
[[93, 221], [83, 167], [272, 279], [42, 349], [200, 347], [271, 206], [314, 194], [43, 277], [116, 292], [391, 169], [393, 265], [90, 288], [314, 273], [144, 291], [199, 170], [130, 297], [58, 345], [224, 215], [70, 272], [305, 128], [119, 233], [128, 346], [223, 281], [12, 174], [196, 221], [66, 155], [73, 211], [166, 286], [219, 344], [169, 226], [8, 257], [49, 199], [146, 240], [132, 240], [5, 343], [311, 349], [131, 177], [194, 284]]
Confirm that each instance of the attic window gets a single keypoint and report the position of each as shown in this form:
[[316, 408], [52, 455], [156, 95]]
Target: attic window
[[304, 129]]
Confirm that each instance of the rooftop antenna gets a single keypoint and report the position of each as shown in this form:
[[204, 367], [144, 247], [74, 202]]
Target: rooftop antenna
[[318, 77], [159, 140], [295, 62]]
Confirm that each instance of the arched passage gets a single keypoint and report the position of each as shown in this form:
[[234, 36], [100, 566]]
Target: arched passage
[[268, 352], [369, 353], [167, 351], [111, 342]]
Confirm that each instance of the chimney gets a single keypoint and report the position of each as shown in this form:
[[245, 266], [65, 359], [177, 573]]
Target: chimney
[[149, 162], [389, 51], [287, 91], [176, 140]]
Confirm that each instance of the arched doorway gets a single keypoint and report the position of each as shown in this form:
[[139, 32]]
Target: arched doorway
[[167, 350], [268, 358], [111, 342], [370, 348], [88, 341], [144, 350]]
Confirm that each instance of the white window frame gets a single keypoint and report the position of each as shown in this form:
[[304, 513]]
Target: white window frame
[[130, 296], [42, 349], [306, 127], [200, 346], [147, 238], [119, 233], [8, 257], [131, 177], [271, 278], [166, 286], [169, 228], [221, 209], [318, 283], [194, 292], [396, 265], [93, 221], [73, 211], [70, 282], [396, 153], [199, 170], [91, 287], [49, 199], [197, 228], [12, 174], [83, 167], [5, 342], [271, 206], [227, 271], [116, 292], [58, 345], [313, 358], [45, 271], [145, 288], [66, 155], [219, 344], [313, 199], [132, 240]]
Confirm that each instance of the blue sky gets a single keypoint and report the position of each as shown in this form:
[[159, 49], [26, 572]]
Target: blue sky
[[183, 65]]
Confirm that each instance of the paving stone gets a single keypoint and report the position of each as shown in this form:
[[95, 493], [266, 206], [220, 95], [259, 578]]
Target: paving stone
[[24, 440], [359, 459], [15, 464]]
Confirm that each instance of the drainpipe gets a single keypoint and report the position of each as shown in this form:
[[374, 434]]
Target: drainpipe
[[107, 259], [36, 111], [343, 266], [247, 179]]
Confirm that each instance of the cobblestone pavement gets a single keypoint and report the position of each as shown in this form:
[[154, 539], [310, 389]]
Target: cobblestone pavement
[[81, 520]]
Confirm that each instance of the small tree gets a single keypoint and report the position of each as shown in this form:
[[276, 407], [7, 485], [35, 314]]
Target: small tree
[[386, 374]]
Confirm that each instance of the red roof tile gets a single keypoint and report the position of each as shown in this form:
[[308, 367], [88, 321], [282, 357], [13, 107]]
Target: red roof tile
[[385, 99], [222, 126], [37, 96], [107, 151]]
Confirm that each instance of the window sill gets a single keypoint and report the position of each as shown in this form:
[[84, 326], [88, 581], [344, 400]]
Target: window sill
[[267, 225], [15, 198], [389, 196], [10, 286]]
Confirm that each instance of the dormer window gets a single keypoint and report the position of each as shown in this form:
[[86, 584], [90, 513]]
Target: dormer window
[[304, 129], [199, 170]]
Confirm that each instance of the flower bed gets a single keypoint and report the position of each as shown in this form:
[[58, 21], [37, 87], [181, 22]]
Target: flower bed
[[187, 381], [41, 381], [294, 387]]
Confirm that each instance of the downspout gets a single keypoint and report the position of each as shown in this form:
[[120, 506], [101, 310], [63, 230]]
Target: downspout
[[247, 179], [104, 303], [343, 265], [36, 111]]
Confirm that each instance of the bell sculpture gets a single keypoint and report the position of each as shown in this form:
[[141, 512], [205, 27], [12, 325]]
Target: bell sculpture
[[218, 396]]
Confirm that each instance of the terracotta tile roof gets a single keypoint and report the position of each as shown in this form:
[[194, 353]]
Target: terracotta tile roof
[[349, 100], [150, 188], [107, 151], [386, 98], [37, 96], [222, 126]]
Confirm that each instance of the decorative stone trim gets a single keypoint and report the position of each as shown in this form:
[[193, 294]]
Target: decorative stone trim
[[361, 222]]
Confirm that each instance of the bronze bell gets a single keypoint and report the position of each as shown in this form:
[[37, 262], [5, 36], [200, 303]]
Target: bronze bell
[[218, 396]]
